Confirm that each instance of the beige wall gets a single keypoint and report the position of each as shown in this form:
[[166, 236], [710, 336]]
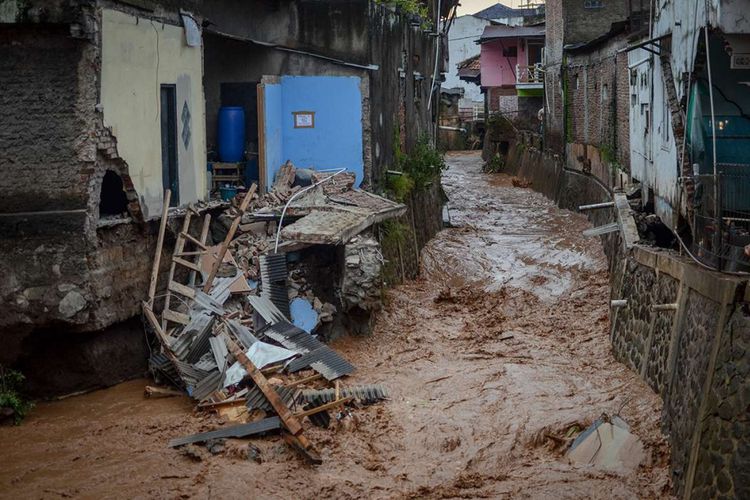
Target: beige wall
[[139, 55]]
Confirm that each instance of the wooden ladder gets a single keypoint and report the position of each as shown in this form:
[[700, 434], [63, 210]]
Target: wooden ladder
[[189, 259]]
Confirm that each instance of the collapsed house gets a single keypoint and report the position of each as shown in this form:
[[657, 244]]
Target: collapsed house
[[109, 103], [222, 326]]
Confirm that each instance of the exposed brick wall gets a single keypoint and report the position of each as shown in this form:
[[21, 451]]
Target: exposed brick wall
[[583, 25], [43, 127]]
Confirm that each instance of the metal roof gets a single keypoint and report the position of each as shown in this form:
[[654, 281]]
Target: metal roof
[[493, 32], [501, 11]]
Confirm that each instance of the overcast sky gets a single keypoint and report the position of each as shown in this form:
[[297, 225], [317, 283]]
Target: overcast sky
[[472, 6]]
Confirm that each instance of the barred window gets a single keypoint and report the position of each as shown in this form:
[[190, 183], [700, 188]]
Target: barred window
[[593, 4]]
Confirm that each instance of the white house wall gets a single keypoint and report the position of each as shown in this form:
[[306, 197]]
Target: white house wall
[[138, 55], [462, 45]]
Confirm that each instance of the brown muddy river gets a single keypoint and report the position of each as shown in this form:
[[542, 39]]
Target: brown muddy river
[[494, 359]]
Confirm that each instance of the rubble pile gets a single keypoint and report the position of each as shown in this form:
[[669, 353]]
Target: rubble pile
[[237, 328]]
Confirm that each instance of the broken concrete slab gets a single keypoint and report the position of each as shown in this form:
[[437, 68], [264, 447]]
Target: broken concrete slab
[[608, 445]]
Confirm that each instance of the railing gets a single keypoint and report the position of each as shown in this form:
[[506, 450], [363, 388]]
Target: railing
[[472, 114], [529, 74], [721, 218]]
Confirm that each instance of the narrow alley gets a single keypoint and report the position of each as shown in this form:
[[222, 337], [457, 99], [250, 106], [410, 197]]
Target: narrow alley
[[495, 358]]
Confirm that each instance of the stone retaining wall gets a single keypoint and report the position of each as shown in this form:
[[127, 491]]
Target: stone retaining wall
[[695, 356]]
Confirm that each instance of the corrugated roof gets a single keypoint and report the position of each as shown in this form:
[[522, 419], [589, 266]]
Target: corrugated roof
[[495, 31], [501, 11]]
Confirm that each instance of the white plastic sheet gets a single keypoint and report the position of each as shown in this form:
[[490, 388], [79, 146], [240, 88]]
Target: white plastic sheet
[[261, 354]]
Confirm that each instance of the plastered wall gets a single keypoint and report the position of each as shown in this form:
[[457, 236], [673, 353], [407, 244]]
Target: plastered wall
[[138, 56]]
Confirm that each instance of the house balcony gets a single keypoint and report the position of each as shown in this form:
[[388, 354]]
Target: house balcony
[[530, 80]]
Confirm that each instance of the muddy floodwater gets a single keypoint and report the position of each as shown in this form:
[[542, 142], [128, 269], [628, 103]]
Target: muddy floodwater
[[495, 358]]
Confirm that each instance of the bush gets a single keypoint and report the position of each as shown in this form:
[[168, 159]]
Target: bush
[[11, 382], [424, 164], [400, 186]]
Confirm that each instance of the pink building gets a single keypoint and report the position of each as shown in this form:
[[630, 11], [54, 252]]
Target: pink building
[[511, 67]]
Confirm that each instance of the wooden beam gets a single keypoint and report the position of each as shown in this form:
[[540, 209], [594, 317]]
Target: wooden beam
[[186, 263], [175, 317], [286, 415], [159, 246], [230, 236], [311, 378], [327, 406], [182, 289], [193, 240]]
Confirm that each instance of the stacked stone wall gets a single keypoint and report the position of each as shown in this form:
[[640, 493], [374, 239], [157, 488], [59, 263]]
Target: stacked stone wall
[[694, 354]]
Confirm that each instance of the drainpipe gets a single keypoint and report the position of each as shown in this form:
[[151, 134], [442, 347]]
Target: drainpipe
[[437, 53]]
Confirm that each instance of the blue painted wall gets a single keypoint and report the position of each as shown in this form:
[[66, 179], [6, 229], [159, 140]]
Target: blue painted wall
[[274, 152], [336, 139]]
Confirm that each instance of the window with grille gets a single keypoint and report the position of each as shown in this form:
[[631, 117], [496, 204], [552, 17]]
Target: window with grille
[[593, 4]]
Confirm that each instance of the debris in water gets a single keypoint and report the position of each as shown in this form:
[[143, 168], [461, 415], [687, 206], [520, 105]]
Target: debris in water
[[608, 444]]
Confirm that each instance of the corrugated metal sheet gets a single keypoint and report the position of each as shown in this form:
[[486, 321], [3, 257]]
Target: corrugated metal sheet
[[160, 365], [317, 355], [257, 400], [267, 310], [365, 394], [237, 431], [207, 386], [292, 337], [219, 351], [189, 374], [273, 277], [242, 333]]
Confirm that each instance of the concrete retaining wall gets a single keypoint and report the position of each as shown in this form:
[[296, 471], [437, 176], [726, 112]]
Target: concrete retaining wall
[[695, 356]]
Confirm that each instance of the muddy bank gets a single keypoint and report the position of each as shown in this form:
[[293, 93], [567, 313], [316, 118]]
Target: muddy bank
[[493, 359]]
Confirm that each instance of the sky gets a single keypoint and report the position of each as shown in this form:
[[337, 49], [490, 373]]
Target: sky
[[472, 6]]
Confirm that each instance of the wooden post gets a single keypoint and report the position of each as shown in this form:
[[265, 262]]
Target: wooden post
[[230, 235], [290, 421], [159, 245]]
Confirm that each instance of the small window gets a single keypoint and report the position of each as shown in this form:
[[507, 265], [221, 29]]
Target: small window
[[510, 51], [593, 4]]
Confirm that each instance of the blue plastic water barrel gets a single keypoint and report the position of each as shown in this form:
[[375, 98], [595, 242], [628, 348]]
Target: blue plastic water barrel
[[231, 134]]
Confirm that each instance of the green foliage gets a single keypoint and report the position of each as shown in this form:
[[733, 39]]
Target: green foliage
[[413, 8], [11, 382], [424, 164], [394, 233], [495, 164], [400, 186]]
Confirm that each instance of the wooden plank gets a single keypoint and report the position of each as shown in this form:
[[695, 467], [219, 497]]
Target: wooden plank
[[175, 317], [189, 254], [286, 415], [193, 240], [179, 247], [182, 289], [311, 378], [327, 406], [152, 391], [303, 446], [186, 263], [159, 246], [230, 236], [151, 317]]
